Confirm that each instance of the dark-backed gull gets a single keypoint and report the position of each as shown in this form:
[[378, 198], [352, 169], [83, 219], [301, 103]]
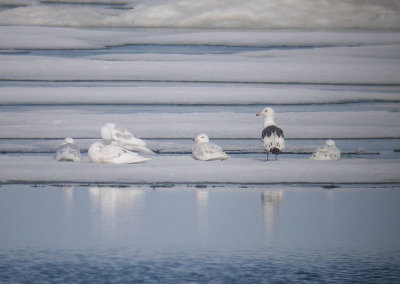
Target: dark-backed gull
[[114, 133], [68, 151], [272, 137], [113, 154], [206, 151]]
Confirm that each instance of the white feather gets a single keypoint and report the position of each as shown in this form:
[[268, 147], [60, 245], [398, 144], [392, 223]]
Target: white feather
[[206, 151], [68, 151], [113, 154], [327, 152], [114, 133]]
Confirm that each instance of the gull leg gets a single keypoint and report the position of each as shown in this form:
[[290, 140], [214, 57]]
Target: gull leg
[[267, 156]]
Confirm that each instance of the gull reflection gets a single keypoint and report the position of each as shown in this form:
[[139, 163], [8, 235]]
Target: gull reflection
[[68, 192], [271, 203], [201, 198], [110, 199], [115, 205]]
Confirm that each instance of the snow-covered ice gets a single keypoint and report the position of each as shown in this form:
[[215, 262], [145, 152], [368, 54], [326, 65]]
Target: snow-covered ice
[[60, 77], [57, 123], [184, 169], [212, 14], [195, 94]]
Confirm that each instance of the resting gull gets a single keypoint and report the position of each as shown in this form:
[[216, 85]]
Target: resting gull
[[113, 154], [272, 136], [68, 151], [206, 151], [326, 152], [111, 132]]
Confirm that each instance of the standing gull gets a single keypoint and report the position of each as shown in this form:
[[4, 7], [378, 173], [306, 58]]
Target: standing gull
[[206, 151], [68, 151], [272, 136], [326, 152], [113, 154], [111, 132]]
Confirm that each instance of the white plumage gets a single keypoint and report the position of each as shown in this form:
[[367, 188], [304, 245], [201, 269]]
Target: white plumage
[[68, 151], [326, 152], [114, 133], [206, 151], [272, 138], [113, 154]]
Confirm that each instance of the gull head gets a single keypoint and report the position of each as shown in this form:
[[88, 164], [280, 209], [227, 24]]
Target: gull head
[[106, 131], [267, 112], [94, 151], [68, 140], [330, 142], [202, 138]]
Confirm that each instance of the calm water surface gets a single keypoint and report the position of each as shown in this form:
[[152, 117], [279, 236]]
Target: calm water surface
[[189, 234]]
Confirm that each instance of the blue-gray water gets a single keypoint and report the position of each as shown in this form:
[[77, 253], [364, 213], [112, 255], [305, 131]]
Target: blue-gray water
[[188, 234]]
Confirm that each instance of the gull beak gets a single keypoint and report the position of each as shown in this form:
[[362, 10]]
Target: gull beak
[[258, 114], [195, 139]]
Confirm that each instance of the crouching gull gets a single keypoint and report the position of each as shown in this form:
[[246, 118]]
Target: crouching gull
[[113, 154], [114, 133], [206, 151], [326, 152], [272, 136], [68, 151]]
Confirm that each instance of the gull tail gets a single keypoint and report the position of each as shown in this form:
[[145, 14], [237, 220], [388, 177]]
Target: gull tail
[[139, 148]]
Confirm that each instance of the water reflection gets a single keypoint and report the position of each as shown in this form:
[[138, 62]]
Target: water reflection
[[271, 203], [115, 206], [198, 235], [201, 197], [110, 199], [68, 194]]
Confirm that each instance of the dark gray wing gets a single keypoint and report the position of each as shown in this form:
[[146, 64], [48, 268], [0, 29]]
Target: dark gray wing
[[272, 130]]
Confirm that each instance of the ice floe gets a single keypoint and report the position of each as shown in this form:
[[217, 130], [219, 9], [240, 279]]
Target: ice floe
[[184, 169]]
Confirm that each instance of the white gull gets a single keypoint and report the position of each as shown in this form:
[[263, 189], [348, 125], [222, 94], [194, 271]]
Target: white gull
[[206, 151], [68, 151], [326, 152], [114, 133], [113, 154], [272, 137]]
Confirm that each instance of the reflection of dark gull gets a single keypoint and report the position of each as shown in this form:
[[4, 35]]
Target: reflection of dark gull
[[206, 151], [326, 152], [68, 151], [272, 136], [111, 132], [113, 154]]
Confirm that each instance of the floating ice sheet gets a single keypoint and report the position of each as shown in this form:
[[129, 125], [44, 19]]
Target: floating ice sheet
[[57, 123], [170, 169], [192, 94], [212, 14]]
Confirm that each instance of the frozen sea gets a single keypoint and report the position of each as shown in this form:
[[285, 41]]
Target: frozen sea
[[169, 70]]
